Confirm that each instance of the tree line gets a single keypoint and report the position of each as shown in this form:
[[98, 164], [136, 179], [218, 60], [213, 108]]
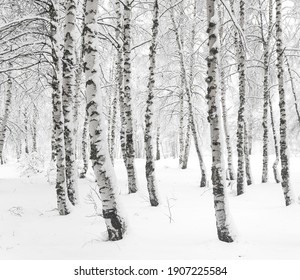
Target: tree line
[[148, 79]]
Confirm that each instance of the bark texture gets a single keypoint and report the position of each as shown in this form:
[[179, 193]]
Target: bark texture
[[275, 164], [218, 176], [266, 55], [113, 126], [130, 152], [247, 157], [68, 93], [285, 169], [241, 112], [157, 157], [124, 77], [148, 134], [100, 157], [84, 145], [63, 203]]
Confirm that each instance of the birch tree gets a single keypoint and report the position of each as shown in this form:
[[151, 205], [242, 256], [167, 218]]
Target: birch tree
[[285, 169], [218, 176], [130, 152], [68, 93], [266, 56], [99, 154], [241, 111], [63, 203], [148, 134], [124, 82], [276, 146], [84, 146]]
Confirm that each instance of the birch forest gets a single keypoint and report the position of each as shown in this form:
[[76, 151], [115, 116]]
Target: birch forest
[[168, 127]]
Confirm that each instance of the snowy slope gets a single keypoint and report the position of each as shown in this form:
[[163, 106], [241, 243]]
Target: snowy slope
[[182, 227]]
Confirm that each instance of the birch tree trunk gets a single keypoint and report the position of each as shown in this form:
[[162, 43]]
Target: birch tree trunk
[[110, 93], [78, 80], [34, 129], [157, 157], [63, 203], [130, 152], [266, 55], [84, 145], [187, 145], [241, 111], [218, 176], [123, 69], [25, 115], [5, 116], [182, 141], [275, 164], [119, 78], [265, 117], [100, 157], [113, 126], [247, 157], [285, 169], [148, 134], [68, 93], [181, 126], [231, 171]]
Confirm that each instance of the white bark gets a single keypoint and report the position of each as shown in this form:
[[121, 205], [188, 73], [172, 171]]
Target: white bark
[[63, 203], [218, 174], [100, 157], [266, 48], [241, 111], [285, 169], [129, 133], [68, 94], [148, 134]]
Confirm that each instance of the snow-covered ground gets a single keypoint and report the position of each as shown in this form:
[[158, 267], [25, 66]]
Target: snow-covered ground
[[182, 227]]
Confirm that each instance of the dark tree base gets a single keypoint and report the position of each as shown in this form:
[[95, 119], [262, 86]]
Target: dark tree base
[[224, 235], [116, 226], [203, 181], [154, 202]]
